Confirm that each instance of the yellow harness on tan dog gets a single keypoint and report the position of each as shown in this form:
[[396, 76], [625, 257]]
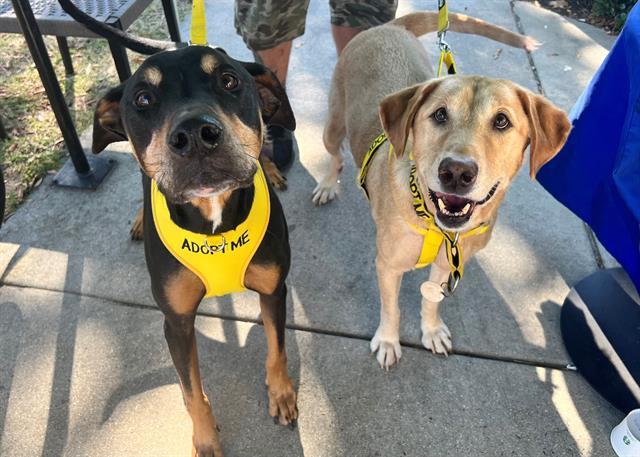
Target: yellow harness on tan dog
[[433, 236]]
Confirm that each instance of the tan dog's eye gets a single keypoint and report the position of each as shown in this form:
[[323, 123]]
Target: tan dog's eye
[[229, 82], [144, 100], [501, 122], [440, 116]]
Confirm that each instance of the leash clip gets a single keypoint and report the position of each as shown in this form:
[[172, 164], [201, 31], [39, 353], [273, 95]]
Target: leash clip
[[217, 248], [442, 44], [449, 287]]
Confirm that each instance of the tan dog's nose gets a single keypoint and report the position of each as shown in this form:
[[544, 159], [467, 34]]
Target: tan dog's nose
[[200, 133], [457, 177]]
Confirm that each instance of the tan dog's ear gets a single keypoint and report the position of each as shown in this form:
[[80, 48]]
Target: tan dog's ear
[[548, 129], [276, 109], [398, 110], [107, 124]]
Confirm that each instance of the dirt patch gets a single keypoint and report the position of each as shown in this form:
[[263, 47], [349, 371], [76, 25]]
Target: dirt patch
[[35, 146], [579, 10]]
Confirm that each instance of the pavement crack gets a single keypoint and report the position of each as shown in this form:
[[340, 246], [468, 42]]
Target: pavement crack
[[595, 249], [532, 63], [309, 329]]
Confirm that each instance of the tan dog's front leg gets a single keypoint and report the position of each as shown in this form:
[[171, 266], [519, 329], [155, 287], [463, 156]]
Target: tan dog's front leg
[[386, 341], [435, 335]]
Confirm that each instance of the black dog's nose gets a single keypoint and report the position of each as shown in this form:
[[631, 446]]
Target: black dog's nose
[[201, 133], [456, 176]]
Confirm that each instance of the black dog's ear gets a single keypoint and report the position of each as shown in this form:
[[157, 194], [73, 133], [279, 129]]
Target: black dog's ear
[[219, 49], [107, 123], [276, 109]]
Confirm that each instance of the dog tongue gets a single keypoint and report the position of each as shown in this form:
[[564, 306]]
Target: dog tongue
[[453, 202]]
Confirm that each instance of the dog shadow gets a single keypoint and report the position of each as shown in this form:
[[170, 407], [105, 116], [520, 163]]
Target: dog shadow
[[231, 356]]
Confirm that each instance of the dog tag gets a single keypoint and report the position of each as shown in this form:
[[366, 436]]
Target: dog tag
[[431, 291]]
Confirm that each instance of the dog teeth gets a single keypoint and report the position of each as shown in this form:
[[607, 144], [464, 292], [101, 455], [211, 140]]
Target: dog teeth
[[445, 211]]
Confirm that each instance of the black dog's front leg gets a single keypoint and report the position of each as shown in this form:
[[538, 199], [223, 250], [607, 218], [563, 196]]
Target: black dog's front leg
[[282, 396], [180, 335], [181, 294]]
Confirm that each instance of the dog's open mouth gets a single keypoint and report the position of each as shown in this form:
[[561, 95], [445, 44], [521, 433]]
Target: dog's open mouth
[[453, 210]]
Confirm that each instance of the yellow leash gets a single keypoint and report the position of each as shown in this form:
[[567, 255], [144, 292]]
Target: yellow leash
[[446, 55], [433, 236], [198, 23]]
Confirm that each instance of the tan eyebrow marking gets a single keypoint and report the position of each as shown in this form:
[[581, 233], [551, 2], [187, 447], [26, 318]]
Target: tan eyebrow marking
[[153, 76], [208, 63]]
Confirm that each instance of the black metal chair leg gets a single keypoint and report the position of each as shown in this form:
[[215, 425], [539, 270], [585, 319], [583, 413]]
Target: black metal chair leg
[[80, 172], [121, 60], [63, 46], [40, 56], [119, 54], [171, 16]]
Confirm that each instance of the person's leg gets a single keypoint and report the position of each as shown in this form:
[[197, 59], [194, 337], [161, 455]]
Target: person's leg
[[350, 17], [268, 28], [342, 35], [276, 59]]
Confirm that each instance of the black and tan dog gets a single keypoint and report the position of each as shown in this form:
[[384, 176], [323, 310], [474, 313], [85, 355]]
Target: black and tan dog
[[195, 118], [212, 223]]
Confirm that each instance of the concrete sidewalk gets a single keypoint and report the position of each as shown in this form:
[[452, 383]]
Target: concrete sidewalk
[[85, 369]]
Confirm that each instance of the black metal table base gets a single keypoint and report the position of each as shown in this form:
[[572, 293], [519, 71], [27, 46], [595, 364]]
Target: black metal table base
[[69, 177], [80, 171]]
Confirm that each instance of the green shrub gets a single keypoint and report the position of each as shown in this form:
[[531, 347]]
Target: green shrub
[[615, 10]]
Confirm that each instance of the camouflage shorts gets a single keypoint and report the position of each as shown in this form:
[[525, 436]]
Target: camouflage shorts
[[264, 24]]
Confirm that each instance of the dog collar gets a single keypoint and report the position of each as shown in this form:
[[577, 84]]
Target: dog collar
[[220, 260], [433, 236]]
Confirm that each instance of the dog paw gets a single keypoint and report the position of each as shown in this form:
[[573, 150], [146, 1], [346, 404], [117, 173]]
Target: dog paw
[[206, 444], [206, 450], [275, 177], [388, 350], [282, 403], [136, 230], [325, 191], [437, 339]]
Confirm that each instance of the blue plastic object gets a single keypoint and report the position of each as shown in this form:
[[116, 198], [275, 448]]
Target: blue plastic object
[[597, 173]]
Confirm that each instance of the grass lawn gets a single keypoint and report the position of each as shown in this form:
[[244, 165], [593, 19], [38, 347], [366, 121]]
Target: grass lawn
[[35, 146]]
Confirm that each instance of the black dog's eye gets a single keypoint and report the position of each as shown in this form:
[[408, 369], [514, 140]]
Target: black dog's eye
[[229, 82], [440, 116], [501, 122], [144, 100]]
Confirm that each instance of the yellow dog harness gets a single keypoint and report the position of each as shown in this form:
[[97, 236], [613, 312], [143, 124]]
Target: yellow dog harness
[[220, 260], [433, 236]]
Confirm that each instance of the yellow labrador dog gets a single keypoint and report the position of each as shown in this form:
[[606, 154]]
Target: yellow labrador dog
[[452, 147]]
